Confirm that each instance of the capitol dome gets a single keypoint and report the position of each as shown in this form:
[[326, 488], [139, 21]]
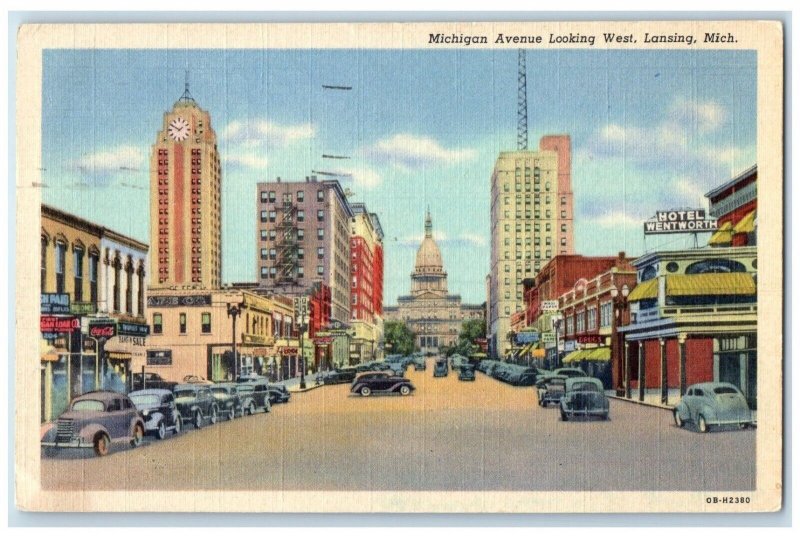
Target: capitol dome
[[429, 259]]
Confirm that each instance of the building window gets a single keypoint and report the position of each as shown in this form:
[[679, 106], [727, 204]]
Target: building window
[[205, 322], [61, 250], [272, 196], [355, 299], [263, 254], [272, 253], [301, 196], [263, 235], [320, 195], [563, 200], [320, 253], [287, 197], [264, 272], [272, 216], [300, 272], [158, 323], [77, 256], [94, 261], [272, 272], [319, 270], [563, 214], [506, 187], [263, 197], [272, 235], [320, 215], [591, 318], [547, 227], [182, 323], [564, 241], [563, 227], [570, 325], [320, 233], [606, 314], [264, 216], [301, 216], [301, 253], [301, 234], [44, 263], [117, 284]]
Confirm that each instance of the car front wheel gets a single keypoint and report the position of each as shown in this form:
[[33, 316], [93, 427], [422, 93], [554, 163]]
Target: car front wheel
[[138, 435], [405, 390], [564, 416], [702, 425], [678, 419], [178, 425], [251, 409], [198, 420], [213, 418], [365, 391], [231, 413], [161, 432], [101, 444]]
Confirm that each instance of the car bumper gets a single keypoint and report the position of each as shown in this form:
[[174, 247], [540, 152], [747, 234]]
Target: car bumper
[[72, 443]]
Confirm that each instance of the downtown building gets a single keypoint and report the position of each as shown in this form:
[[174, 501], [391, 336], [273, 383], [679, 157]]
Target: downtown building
[[434, 315], [366, 285], [303, 249], [532, 222]]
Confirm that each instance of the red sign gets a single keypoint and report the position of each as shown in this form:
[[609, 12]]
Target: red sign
[[52, 324], [106, 330], [323, 341], [289, 351], [590, 339]]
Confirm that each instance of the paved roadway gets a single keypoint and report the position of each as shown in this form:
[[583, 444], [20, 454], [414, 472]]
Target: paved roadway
[[448, 435]]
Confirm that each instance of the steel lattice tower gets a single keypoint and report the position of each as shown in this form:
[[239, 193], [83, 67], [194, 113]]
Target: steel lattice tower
[[522, 103]]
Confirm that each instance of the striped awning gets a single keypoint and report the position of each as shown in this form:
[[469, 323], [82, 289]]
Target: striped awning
[[598, 354], [645, 290], [746, 225], [574, 356], [723, 235], [711, 284]]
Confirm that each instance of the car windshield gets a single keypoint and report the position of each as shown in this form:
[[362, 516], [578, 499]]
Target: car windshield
[[185, 394], [220, 392], [725, 390], [145, 399], [88, 405], [585, 387]]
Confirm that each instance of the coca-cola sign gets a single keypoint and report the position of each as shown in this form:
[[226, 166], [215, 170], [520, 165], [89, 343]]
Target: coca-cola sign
[[53, 324], [103, 330]]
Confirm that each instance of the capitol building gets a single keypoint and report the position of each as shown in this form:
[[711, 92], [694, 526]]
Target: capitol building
[[434, 315]]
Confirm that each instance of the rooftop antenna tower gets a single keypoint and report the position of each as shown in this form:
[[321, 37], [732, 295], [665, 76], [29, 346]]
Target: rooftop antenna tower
[[522, 103]]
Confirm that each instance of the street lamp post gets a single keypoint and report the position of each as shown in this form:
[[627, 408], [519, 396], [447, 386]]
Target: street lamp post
[[557, 327], [234, 311], [303, 322], [618, 371]]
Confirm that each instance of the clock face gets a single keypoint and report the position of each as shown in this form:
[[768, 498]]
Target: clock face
[[179, 129]]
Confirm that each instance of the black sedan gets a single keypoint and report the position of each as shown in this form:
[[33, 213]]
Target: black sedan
[[381, 382], [339, 375]]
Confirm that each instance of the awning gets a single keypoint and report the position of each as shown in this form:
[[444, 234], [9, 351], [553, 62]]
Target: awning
[[598, 354], [539, 354], [574, 356], [746, 225], [645, 290], [711, 284], [723, 235]]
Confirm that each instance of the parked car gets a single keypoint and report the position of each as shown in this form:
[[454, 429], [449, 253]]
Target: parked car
[[585, 397], [196, 404], [570, 372], [339, 375], [713, 404], [380, 382], [229, 404], [466, 373], [159, 411], [256, 395], [95, 420], [150, 380], [196, 379], [278, 394], [551, 389], [419, 364], [440, 368], [398, 368]]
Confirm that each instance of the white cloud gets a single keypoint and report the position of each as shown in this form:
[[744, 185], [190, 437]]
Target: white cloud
[[244, 159], [690, 189], [705, 115], [616, 218], [364, 177], [259, 132], [120, 158], [407, 151], [474, 239]]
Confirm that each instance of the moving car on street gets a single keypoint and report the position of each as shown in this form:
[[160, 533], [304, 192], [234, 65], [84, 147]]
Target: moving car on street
[[229, 404], [440, 368], [381, 382], [159, 411], [713, 404], [95, 420], [551, 389], [196, 404], [466, 373], [339, 375], [584, 397]]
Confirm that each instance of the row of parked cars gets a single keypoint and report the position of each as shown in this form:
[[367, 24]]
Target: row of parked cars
[[513, 374], [95, 420]]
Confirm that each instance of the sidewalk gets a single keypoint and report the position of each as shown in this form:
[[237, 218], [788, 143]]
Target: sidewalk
[[652, 398], [293, 383]]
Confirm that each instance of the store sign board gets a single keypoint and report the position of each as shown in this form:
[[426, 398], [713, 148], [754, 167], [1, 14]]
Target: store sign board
[[83, 308], [167, 301], [680, 221], [133, 329], [286, 351], [527, 337], [569, 345], [159, 357], [55, 303], [103, 330], [548, 338], [53, 324], [549, 306], [590, 339]]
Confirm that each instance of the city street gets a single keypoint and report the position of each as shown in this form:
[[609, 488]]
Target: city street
[[448, 435]]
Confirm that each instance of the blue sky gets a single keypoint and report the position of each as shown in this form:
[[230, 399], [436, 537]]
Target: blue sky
[[650, 130]]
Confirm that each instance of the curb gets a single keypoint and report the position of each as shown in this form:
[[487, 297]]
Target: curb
[[308, 388], [649, 404]]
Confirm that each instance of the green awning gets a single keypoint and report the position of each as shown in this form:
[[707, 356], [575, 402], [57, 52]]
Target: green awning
[[711, 284], [645, 290]]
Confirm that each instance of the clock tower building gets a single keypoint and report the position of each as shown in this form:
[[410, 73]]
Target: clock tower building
[[185, 200]]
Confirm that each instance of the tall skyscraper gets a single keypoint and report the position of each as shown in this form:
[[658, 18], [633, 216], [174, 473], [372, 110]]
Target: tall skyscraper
[[532, 221], [185, 200], [366, 284]]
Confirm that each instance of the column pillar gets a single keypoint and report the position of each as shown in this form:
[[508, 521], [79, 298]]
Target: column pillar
[[627, 366], [663, 356], [641, 370], [682, 362]]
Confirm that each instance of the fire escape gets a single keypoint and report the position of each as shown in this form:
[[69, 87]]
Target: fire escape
[[287, 245]]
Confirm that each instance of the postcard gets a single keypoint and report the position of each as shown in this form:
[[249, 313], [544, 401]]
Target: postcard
[[438, 267]]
